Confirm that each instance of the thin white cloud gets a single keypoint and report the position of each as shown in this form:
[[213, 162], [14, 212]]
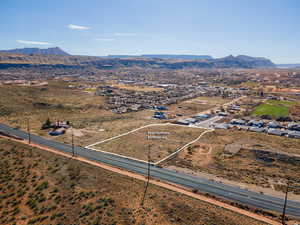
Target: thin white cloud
[[104, 39], [77, 27], [125, 34], [33, 42]]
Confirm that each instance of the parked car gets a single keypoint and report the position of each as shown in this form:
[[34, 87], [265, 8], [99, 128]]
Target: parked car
[[255, 123], [274, 124], [238, 122]]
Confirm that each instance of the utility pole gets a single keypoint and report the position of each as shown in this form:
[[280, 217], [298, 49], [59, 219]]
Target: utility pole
[[28, 131], [148, 178], [288, 187], [286, 193], [285, 201], [73, 150]]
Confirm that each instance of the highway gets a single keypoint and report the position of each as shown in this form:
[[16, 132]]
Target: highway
[[232, 193]]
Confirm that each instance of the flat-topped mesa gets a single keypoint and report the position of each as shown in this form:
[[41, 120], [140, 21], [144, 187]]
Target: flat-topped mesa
[[37, 51]]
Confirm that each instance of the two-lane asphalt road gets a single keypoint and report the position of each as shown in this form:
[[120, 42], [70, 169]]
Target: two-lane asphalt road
[[232, 193]]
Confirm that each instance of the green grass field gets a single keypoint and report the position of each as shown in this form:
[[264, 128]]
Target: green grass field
[[273, 108]]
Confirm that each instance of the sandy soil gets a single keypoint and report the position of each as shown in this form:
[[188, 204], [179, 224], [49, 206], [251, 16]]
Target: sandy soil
[[161, 184]]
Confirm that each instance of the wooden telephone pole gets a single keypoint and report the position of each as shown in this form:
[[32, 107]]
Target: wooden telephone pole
[[73, 149], [28, 131], [148, 178], [284, 206]]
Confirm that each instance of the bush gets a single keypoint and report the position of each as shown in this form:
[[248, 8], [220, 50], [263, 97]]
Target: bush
[[284, 119], [46, 125], [195, 191], [42, 186]]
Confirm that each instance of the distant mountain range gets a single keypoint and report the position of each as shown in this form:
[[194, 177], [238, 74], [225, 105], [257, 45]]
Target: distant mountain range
[[288, 66], [164, 56], [56, 57], [36, 51]]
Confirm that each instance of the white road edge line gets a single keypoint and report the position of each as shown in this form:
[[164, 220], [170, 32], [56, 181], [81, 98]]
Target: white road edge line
[[127, 157], [183, 147]]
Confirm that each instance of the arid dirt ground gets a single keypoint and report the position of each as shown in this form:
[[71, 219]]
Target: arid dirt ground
[[263, 160], [59, 102], [39, 187], [135, 88], [162, 141], [87, 113]]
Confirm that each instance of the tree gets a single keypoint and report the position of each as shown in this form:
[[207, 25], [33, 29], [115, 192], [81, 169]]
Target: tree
[[261, 93], [47, 124]]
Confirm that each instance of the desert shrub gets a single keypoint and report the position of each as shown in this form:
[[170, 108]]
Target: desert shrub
[[31, 203], [56, 215], [4, 111], [42, 186], [190, 150]]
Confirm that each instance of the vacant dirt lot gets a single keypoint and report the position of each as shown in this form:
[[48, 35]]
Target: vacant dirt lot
[[38, 187], [162, 141], [136, 88]]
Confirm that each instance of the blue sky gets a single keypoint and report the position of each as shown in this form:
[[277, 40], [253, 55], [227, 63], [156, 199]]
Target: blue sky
[[268, 28]]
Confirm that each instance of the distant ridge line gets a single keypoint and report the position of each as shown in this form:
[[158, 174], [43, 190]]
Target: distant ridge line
[[164, 56], [37, 51]]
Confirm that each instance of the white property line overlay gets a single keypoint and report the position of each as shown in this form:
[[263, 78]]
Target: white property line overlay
[[132, 131], [150, 125], [183, 147]]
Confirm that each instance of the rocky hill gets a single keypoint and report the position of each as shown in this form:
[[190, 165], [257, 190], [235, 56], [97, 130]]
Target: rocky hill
[[243, 61], [36, 51]]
